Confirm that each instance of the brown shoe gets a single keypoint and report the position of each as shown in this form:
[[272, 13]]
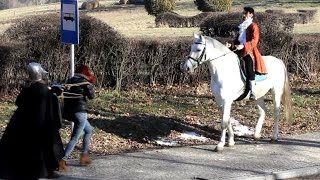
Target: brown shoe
[[62, 166], [84, 159]]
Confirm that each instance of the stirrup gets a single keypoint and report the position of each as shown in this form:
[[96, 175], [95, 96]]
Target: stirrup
[[252, 96]]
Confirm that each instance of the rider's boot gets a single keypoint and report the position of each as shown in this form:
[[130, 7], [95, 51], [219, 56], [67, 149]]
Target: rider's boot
[[252, 92]]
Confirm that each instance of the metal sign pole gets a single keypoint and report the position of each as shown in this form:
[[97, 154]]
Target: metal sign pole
[[71, 60], [72, 71], [70, 29]]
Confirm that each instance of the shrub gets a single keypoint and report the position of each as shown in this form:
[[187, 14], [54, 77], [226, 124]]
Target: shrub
[[123, 1], [221, 25], [305, 55], [9, 51], [94, 4], [156, 7], [136, 1], [307, 16], [100, 47], [213, 5], [115, 61], [300, 17], [175, 20], [121, 62]]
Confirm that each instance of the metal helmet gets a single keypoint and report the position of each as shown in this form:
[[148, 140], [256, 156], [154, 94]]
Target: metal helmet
[[36, 72]]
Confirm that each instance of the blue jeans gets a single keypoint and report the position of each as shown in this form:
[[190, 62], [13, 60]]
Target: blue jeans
[[81, 123]]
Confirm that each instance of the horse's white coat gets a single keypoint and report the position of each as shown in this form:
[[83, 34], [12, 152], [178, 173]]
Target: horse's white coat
[[227, 84]]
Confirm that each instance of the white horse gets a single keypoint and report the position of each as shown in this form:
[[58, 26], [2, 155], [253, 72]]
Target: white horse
[[227, 84]]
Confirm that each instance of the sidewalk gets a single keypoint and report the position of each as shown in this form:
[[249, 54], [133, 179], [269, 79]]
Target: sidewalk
[[292, 156]]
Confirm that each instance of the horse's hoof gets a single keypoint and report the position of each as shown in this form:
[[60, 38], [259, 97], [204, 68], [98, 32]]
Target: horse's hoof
[[256, 137], [231, 143], [218, 148], [273, 141]]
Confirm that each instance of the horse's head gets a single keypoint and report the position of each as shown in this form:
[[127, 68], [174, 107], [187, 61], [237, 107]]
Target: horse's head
[[197, 54]]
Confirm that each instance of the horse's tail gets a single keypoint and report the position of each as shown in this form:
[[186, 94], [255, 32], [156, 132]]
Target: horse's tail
[[286, 98]]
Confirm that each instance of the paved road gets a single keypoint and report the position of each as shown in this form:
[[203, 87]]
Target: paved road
[[292, 156]]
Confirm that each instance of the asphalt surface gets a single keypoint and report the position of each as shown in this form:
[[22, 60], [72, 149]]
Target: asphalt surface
[[292, 156]]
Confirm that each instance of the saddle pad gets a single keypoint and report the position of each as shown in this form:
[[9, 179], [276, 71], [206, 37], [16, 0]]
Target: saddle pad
[[257, 77]]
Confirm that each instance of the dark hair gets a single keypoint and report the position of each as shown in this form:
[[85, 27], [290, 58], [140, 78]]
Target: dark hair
[[249, 9]]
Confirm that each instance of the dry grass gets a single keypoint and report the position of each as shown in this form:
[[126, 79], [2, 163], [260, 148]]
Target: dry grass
[[133, 21], [137, 23], [4, 27], [307, 28], [9, 14], [132, 120]]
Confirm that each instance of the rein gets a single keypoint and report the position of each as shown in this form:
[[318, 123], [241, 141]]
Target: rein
[[221, 55], [70, 95], [198, 60]]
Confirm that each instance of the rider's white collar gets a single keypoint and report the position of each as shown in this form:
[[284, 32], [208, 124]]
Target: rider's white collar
[[242, 30]]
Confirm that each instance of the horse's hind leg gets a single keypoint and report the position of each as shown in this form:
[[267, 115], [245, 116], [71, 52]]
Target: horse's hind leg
[[262, 114], [277, 93]]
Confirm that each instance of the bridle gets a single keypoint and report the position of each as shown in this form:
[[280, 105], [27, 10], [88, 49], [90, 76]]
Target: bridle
[[203, 54], [198, 60]]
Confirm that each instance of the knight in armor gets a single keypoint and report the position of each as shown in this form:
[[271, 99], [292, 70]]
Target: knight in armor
[[31, 147], [246, 46], [75, 110]]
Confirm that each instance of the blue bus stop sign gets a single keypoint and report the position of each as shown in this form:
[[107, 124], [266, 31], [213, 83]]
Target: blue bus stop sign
[[69, 21]]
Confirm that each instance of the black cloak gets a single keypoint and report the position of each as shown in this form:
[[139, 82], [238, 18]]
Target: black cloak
[[31, 146]]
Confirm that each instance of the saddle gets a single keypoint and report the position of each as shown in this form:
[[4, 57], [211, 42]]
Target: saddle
[[257, 77]]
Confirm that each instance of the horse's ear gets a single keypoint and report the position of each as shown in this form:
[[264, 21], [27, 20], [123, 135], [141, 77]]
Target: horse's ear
[[201, 38], [195, 35]]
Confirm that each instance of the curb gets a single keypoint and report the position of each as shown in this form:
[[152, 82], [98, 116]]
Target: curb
[[294, 173]]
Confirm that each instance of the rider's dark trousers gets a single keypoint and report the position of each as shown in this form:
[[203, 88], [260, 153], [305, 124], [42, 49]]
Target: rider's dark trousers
[[249, 67]]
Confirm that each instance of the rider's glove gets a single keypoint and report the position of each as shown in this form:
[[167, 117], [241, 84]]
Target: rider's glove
[[239, 47]]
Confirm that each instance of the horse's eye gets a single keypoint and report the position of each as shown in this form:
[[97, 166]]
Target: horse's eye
[[198, 50]]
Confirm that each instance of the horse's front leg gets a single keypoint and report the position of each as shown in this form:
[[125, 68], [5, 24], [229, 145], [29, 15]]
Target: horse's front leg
[[262, 114], [225, 125]]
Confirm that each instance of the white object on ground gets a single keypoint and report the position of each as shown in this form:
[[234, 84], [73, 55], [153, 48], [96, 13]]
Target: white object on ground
[[241, 130], [193, 135]]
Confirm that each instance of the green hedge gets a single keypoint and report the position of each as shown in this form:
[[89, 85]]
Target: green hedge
[[156, 7], [121, 63]]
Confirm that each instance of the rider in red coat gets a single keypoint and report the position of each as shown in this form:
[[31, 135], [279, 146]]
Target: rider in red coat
[[246, 45]]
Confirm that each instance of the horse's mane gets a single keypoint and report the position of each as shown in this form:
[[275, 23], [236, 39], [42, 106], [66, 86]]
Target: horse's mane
[[217, 44]]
